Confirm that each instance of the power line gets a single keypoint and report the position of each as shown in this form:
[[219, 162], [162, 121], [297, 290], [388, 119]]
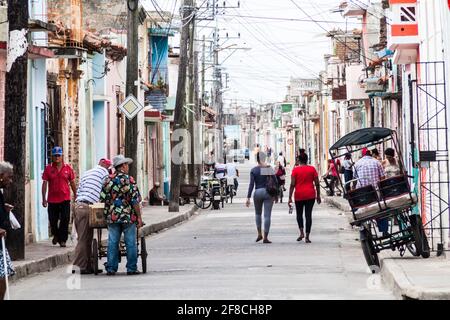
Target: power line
[[279, 51], [295, 19], [332, 36]]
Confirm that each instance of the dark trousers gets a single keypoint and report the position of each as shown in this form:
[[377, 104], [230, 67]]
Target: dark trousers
[[348, 175], [330, 182], [308, 205], [59, 212]]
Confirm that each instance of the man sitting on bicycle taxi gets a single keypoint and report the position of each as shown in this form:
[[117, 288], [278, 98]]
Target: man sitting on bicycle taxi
[[369, 171], [220, 171]]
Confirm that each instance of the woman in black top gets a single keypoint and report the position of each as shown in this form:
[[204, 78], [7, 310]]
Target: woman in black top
[[6, 175], [259, 179]]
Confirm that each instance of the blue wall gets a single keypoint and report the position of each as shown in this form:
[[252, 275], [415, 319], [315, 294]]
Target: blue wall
[[100, 130], [160, 53]]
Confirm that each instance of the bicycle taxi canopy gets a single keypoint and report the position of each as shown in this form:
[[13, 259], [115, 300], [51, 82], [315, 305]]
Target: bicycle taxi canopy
[[363, 136]]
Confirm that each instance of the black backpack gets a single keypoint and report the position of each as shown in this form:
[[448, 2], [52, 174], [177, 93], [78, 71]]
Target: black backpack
[[271, 186]]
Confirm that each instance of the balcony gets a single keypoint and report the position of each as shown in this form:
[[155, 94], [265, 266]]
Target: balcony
[[339, 93]]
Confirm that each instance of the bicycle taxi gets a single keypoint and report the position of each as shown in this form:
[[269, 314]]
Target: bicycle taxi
[[391, 199]]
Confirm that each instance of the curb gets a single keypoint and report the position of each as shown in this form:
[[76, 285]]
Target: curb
[[49, 263], [157, 227], [392, 274], [396, 280]]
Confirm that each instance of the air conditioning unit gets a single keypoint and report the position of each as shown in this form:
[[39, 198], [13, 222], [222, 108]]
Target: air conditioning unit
[[372, 85]]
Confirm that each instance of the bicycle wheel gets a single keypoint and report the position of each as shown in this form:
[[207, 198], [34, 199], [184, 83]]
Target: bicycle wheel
[[203, 199], [368, 249]]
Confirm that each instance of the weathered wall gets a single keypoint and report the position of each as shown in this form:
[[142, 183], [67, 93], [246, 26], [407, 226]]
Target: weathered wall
[[100, 14]]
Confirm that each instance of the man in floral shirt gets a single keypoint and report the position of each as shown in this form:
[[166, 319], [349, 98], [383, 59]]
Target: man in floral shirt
[[123, 214]]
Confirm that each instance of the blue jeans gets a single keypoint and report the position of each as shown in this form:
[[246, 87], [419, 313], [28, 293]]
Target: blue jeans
[[129, 233]]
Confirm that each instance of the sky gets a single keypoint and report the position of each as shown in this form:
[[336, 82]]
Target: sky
[[279, 49]]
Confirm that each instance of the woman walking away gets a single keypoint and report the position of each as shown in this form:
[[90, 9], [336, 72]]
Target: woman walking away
[[262, 178], [303, 179], [348, 171], [281, 175], [6, 176]]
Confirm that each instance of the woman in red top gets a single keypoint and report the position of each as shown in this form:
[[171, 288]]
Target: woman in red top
[[303, 179]]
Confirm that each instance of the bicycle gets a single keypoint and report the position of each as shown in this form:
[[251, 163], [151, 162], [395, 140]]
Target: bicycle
[[325, 185]]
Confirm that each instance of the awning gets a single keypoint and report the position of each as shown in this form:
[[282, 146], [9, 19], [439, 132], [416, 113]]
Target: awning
[[151, 115], [36, 52], [209, 111], [362, 136]]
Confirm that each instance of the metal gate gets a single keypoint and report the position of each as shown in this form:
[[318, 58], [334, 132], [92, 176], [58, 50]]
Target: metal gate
[[433, 156]]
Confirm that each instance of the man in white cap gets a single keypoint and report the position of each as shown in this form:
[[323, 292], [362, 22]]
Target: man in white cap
[[123, 214], [88, 193]]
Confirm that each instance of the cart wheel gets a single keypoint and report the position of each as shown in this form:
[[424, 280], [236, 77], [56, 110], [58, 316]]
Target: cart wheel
[[95, 256], [368, 249], [420, 238], [144, 255], [216, 205]]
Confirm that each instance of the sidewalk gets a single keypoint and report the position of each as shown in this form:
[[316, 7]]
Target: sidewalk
[[409, 277], [43, 256]]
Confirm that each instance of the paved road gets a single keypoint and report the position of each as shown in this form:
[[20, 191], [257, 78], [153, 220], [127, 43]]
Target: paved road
[[214, 256]]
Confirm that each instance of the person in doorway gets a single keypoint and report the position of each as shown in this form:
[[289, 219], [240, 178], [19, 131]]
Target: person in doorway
[[154, 199], [6, 178], [233, 172], [262, 178], [88, 193], [305, 183], [123, 215], [59, 177]]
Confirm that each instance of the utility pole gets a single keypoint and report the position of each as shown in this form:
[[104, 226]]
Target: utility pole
[[15, 120], [131, 126], [199, 128], [191, 105], [179, 113]]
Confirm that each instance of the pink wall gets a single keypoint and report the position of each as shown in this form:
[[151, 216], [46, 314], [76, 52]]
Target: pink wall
[[2, 101]]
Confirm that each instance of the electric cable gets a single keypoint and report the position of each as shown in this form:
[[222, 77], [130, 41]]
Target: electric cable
[[332, 36]]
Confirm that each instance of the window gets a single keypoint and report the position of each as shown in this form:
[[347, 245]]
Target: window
[[408, 14]]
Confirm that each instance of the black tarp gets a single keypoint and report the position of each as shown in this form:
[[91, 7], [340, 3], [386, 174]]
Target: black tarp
[[362, 136]]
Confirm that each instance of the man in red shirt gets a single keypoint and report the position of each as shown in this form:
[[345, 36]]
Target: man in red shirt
[[58, 176]]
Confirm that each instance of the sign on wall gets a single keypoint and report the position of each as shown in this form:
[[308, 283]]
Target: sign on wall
[[130, 107]]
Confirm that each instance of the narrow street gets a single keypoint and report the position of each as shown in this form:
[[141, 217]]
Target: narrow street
[[214, 256]]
